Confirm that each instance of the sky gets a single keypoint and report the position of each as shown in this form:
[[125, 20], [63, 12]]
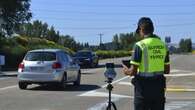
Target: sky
[[86, 19]]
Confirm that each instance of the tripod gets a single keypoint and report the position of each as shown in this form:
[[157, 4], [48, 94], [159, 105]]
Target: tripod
[[110, 103]]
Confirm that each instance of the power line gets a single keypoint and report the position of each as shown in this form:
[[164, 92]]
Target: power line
[[100, 38], [111, 13], [173, 25], [111, 19], [123, 5], [94, 28], [86, 19], [116, 28]]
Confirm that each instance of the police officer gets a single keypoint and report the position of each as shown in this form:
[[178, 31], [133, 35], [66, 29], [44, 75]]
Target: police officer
[[149, 61]]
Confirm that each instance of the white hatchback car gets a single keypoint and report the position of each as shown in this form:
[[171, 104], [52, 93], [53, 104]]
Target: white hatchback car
[[45, 66]]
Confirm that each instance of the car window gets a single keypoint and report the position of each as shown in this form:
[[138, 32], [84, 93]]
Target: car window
[[69, 58], [83, 54], [64, 57], [40, 56]]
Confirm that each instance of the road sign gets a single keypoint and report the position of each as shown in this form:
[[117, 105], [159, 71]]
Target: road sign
[[168, 39], [2, 60]]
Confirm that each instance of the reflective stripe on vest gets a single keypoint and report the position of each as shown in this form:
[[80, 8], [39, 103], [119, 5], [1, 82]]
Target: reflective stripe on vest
[[153, 55]]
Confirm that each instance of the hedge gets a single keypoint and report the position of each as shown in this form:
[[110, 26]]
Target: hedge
[[193, 52], [15, 48], [112, 54]]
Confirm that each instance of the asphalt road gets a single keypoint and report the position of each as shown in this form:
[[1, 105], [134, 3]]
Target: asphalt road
[[92, 93]]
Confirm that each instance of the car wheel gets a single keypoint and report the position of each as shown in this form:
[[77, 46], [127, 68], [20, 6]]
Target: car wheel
[[22, 85], [63, 82], [92, 65], [78, 81]]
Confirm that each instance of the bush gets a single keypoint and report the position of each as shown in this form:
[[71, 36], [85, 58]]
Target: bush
[[13, 56], [18, 50], [21, 40], [15, 48], [193, 52]]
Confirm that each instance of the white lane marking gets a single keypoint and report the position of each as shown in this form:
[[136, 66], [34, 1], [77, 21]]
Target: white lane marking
[[116, 81], [3, 78], [181, 71], [174, 58], [90, 70], [180, 75], [175, 105], [103, 86], [104, 94], [9, 87], [175, 71], [125, 83], [103, 105]]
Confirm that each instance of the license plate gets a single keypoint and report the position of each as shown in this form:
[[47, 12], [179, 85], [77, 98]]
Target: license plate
[[36, 69]]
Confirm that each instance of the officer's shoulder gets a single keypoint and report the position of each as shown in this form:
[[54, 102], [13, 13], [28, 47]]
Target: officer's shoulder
[[159, 39], [139, 42], [156, 36]]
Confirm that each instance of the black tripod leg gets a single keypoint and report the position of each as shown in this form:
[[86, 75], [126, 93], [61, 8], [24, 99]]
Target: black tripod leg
[[109, 107], [114, 106]]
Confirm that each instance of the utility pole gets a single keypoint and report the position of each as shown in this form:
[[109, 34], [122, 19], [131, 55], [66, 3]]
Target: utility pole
[[101, 44], [100, 37]]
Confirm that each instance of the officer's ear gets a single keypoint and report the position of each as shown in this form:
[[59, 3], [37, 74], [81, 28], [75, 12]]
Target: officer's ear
[[137, 30]]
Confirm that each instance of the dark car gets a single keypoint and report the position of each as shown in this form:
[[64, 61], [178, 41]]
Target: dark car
[[86, 58]]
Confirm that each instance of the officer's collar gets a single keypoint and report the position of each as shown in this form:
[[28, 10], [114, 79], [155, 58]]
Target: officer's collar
[[151, 36]]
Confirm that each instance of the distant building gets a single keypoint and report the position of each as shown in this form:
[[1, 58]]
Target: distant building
[[193, 46]]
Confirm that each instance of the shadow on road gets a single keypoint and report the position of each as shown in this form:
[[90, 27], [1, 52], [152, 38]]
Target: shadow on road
[[86, 73], [104, 66], [5, 75], [69, 87]]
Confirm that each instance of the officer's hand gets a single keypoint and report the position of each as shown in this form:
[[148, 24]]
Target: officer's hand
[[126, 70], [130, 71]]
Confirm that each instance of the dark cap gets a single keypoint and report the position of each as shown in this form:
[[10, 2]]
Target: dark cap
[[143, 20]]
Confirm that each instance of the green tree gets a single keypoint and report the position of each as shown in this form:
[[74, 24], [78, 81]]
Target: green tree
[[69, 42], [127, 40], [13, 13], [35, 29], [115, 42], [52, 35], [182, 45], [185, 45], [189, 45]]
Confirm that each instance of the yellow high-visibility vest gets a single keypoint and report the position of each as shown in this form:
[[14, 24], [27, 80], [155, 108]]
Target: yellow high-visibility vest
[[153, 55]]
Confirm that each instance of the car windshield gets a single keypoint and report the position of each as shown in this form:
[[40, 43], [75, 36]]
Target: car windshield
[[83, 54], [40, 56]]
